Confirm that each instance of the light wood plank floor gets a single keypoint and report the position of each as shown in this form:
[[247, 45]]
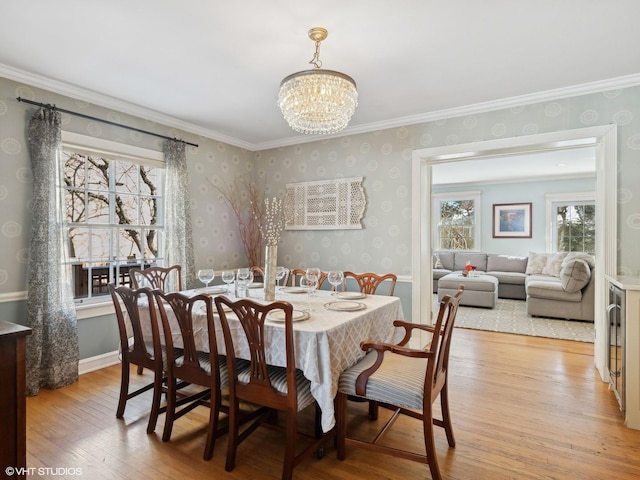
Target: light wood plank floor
[[523, 408]]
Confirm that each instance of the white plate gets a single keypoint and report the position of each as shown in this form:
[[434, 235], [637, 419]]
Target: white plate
[[279, 316], [351, 295], [255, 285], [294, 290], [344, 306]]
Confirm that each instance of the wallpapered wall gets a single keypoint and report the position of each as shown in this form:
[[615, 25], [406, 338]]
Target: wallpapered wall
[[383, 158]]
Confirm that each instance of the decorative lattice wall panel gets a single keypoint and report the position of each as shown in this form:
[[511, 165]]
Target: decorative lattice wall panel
[[325, 205]]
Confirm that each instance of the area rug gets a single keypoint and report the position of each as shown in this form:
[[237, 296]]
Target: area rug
[[510, 316]]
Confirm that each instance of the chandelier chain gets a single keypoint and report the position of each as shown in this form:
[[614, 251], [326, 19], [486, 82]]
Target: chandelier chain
[[315, 61]]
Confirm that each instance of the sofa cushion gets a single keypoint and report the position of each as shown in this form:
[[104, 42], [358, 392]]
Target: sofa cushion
[[536, 262], [550, 289], [478, 260], [446, 259], [554, 264], [575, 275], [506, 263]]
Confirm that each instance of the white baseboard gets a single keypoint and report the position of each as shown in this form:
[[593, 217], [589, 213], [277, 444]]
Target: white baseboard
[[104, 360]]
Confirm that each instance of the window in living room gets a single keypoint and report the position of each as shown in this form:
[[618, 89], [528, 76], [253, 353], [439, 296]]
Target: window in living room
[[572, 220], [455, 218], [114, 215]]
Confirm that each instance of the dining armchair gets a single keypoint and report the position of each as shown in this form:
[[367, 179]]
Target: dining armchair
[[370, 282], [274, 388], [405, 380], [135, 350], [165, 279], [190, 366]]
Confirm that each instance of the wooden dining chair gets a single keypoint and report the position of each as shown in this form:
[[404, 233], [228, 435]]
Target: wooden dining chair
[[405, 380], [166, 279], [135, 350], [188, 365], [283, 389], [297, 273], [370, 282]]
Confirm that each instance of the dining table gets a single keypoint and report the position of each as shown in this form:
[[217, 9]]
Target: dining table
[[328, 328]]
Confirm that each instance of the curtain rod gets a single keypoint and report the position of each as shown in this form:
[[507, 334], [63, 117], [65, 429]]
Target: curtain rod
[[109, 122]]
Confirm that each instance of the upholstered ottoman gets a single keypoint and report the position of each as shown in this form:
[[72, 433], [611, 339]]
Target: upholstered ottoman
[[479, 291]]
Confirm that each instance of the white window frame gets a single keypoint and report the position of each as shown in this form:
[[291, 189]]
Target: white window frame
[[102, 305], [551, 201], [438, 198]]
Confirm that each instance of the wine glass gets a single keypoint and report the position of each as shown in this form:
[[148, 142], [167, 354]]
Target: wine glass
[[206, 275], [335, 278], [227, 277], [281, 272]]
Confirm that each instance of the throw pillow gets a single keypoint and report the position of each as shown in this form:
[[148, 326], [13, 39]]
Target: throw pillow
[[554, 264], [582, 256], [536, 263], [575, 275]]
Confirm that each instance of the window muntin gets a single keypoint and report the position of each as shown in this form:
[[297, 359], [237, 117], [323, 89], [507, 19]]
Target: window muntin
[[114, 217]]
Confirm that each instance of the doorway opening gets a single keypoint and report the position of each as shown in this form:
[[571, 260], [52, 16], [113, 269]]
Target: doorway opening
[[603, 139]]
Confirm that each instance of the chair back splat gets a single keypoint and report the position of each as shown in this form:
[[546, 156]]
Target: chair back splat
[[165, 279], [405, 380], [370, 282]]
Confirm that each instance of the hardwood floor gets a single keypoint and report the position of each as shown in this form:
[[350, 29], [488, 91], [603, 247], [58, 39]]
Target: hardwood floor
[[523, 408]]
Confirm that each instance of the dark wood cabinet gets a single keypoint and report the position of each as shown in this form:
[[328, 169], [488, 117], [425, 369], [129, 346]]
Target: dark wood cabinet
[[13, 414]]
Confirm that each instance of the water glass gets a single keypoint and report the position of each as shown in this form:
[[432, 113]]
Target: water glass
[[244, 277]]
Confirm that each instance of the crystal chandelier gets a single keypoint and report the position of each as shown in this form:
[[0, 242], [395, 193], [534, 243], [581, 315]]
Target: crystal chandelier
[[317, 101]]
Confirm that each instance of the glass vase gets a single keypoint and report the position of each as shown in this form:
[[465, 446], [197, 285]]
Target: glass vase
[[270, 263]]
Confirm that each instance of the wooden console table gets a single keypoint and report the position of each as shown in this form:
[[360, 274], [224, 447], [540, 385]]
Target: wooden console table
[[13, 408]]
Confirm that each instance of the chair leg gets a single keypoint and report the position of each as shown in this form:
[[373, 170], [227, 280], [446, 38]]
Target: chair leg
[[446, 415], [140, 369], [213, 424], [232, 446], [341, 424], [155, 406], [124, 389], [429, 442], [171, 408], [290, 451], [373, 410]]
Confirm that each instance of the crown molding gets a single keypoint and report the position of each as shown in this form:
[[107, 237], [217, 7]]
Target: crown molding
[[125, 107], [113, 103]]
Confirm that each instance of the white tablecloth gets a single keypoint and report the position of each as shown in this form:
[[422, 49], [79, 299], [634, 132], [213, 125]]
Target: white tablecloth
[[325, 345]]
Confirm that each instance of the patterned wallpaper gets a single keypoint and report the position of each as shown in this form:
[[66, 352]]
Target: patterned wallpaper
[[383, 158]]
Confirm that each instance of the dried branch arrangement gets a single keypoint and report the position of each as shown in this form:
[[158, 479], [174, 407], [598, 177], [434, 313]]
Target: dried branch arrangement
[[244, 198]]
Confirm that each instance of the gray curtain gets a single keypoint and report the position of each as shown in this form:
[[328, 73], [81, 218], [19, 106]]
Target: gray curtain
[[178, 231], [52, 347]]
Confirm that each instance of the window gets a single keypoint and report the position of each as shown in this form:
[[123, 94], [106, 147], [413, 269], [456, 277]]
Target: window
[[572, 219], [455, 217], [113, 203]]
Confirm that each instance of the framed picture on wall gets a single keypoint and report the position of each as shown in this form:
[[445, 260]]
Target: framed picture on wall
[[512, 220]]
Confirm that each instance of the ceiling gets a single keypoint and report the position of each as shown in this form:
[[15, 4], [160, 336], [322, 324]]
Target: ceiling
[[579, 162], [214, 67]]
